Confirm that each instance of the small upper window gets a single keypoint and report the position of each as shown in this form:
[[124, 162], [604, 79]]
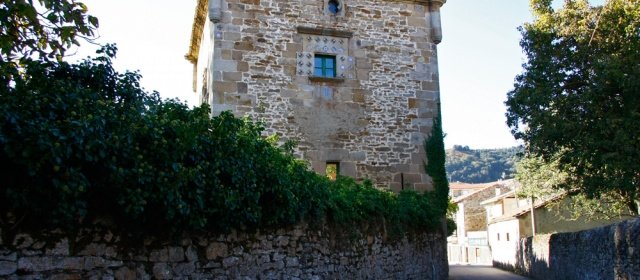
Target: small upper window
[[334, 7], [332, 170], [324, 66]]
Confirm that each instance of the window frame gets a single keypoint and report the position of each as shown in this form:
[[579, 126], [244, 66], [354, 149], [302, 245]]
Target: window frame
[[337, 167], [323, 68]]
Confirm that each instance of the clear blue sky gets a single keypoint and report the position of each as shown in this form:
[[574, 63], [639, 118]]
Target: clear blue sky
[[479, 57]]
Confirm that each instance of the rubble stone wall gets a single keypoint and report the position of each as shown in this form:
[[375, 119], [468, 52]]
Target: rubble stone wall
[[611, 252], [295, 253]]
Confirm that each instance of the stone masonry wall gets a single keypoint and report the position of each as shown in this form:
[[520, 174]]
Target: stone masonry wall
[[372, 117], [611, 252], [296, 253]]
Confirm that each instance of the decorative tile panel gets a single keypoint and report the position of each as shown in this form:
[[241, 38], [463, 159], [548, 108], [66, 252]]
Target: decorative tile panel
[[321, 44], [345, 65], [304, 63]]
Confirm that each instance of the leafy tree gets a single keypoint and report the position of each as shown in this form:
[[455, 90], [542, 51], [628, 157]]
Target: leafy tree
[[538, 178], [542, 180], [577, 101], [46, 29]]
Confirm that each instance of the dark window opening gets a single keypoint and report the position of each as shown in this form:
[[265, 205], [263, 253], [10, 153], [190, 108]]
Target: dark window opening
[[334, 7], [332, 170], [324, 66]]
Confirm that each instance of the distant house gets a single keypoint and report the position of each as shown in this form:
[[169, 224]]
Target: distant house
[[469, 243], [509, 220], [457, 189]]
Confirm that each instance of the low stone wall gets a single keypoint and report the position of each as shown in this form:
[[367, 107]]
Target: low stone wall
[[611, 252], [296, 253]]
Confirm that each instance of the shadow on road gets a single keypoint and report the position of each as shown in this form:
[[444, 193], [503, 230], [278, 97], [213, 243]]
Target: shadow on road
[[480, 272]]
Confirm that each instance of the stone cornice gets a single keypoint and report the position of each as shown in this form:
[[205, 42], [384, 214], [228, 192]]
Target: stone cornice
[[438, 3], [199, 20], [200, 17], [324, 31]]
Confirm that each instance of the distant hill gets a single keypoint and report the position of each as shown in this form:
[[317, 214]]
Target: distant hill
[[481, 166]]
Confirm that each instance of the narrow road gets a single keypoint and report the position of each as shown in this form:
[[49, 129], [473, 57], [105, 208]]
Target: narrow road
[[480, 272]]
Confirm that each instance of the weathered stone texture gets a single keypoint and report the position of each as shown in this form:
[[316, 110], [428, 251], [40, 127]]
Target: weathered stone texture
[[610, 252], [295, 253], [381, 105]]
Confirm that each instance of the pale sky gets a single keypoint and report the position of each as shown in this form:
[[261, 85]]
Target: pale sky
[[479, 57]]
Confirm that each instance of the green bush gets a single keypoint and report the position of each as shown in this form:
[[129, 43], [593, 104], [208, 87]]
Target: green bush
[[80, 141]]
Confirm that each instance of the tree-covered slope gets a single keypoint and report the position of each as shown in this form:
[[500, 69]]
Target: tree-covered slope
[[480, 166]]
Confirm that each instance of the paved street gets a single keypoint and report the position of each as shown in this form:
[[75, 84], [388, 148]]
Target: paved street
[[478, 272]]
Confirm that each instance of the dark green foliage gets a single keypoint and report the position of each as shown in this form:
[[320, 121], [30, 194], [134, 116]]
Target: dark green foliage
[[82, 141], [483, 165], [578, 98], [46, 29], [434, 167], [350, 202]]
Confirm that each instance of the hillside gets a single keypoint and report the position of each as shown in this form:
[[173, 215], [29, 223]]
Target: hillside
[[480, 166]]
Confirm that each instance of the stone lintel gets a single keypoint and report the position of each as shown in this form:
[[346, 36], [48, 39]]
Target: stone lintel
[[437, 3], [324, 31], [325, 79]]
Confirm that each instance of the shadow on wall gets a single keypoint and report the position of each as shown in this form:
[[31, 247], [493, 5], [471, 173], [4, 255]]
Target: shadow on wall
[[611, 252]]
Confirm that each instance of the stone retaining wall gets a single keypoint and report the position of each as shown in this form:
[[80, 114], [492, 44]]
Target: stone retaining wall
[[611, 252], [296, 253]]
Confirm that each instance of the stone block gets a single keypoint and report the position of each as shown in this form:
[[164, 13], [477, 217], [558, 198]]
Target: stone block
[[6, 255], [242, 66], [359, 96], [162, 271], [225, 87], [292, 262], [348, 169], [417, 21], [431, 85], [358, 156], [319, 166], [362, 74], [363, 63], [422, 122], [161, 255], [176, 254], [230, 261], [231, 36], [184, 269], [125, 273], [216, 250], [335, 154], [191, 254], [35, 264], [224, 54], [73, 263], [61, 248], [237, 55], [242, 87], [245, 46], [231, 76], [225, 65], [7, 268]]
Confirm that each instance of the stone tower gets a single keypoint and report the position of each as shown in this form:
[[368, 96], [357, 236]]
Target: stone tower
[[354, 82]]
